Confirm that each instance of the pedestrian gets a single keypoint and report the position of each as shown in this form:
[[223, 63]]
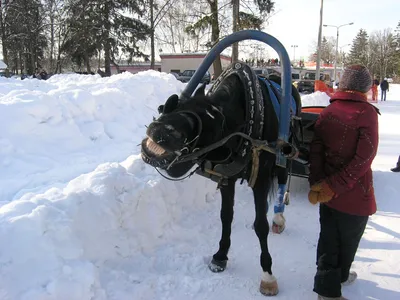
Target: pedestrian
[[375, 90], [344, 145], [397, 168], [37, 74], [384, 88]]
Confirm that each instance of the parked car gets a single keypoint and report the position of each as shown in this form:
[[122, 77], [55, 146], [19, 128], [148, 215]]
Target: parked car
[[175, 74], [186, 75], [307, 83], [265, 72]]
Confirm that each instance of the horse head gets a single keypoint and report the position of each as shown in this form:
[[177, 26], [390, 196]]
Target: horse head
[[183, 128]]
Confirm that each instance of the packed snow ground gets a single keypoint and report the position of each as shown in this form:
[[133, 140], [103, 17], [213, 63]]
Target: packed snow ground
[[123, 232]]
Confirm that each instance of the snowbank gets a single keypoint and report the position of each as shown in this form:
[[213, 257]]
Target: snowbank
[[55, 245], [69, 124], [315, 99]]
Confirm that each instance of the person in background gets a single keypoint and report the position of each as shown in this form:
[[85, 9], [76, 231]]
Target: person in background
[[344, 145], [384, 88], [397, 168], [37, 74], [375, 89]]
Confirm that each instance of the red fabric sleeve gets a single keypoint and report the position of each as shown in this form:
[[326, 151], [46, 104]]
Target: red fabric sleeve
[[367, 146], [317, 155]]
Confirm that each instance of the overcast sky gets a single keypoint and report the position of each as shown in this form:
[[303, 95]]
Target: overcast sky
[[296, 22]]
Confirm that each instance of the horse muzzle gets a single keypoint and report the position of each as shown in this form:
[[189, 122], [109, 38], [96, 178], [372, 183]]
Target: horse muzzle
[[154, 155]]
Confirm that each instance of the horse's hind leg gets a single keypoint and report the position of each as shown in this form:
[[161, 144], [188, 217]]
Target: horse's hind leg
[[279, 222], [219, 260], [269, 285]]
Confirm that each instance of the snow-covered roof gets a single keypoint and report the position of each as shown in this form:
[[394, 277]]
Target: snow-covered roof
[[202, 54]]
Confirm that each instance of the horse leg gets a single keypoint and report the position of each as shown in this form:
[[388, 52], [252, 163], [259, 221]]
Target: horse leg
[[268, 285], [219, 260], [279, 222]]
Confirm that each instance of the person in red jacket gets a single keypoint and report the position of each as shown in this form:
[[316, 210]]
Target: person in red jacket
[[344, 145]]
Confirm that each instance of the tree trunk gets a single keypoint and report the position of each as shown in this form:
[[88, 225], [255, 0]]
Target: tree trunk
[[58, 62], [235, 28], [107, 45], [3, 34], [52, 40], [215, 35], [87, 63], [152, 37], [116, 66]]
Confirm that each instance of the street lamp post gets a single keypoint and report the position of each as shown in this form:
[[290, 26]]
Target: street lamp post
[[321, 13], [294, 52], [337, 44]]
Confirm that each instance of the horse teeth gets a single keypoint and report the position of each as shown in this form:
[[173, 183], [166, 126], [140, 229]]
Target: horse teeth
[[154, 147]]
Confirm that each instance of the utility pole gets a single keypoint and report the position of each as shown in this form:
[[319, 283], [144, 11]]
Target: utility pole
[[319, 41], [294, 53]]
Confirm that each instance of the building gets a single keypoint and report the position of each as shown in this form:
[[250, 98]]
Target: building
[[179, 62], [135, 67]]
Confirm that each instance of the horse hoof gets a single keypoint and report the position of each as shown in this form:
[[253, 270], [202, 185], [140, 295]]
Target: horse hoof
[[269, 288], [278, 223], [278, 229], [217, 266]]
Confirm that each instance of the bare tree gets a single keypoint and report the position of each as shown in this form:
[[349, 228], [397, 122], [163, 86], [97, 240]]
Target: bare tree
[[384, 50]]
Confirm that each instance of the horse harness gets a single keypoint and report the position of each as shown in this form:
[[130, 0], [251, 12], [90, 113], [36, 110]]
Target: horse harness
[[251, 138]]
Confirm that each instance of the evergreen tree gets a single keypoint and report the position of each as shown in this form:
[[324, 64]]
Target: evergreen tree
[[24, 34], [203, 24], [82, 41], [122, 31], [359, 49]]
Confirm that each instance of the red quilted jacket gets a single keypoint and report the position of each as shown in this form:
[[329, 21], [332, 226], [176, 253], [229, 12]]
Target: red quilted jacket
[[344, 146]]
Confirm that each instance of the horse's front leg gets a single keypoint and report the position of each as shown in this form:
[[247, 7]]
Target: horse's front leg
[[219, 260], [268, 285]]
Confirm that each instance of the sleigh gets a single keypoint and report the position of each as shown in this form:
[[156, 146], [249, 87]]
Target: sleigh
[[309, 116], [284, 149]]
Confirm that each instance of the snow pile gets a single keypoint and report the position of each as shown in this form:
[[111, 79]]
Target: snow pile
[[69, 124], [315, 99], [58, 242]]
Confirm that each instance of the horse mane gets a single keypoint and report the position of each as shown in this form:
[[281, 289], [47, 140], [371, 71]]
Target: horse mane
[[229, 98]]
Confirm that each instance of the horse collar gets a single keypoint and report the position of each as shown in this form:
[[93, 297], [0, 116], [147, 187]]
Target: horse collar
[[254, 102]]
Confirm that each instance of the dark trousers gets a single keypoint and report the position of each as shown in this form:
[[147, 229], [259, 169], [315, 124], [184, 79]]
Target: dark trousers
[[383, 95], [337, 245]]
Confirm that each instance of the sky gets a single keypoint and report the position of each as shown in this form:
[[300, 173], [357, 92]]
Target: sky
[[296, 22]]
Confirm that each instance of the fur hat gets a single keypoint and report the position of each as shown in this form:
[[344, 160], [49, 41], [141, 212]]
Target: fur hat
[[356, 78]]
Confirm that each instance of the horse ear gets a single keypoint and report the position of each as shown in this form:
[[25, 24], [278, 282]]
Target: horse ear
[[201, 91], [170, 104], [160, 109]]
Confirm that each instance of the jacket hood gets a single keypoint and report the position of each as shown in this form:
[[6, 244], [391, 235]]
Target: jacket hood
[[353, 96]]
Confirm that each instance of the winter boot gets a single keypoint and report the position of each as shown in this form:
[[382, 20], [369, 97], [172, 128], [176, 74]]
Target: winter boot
[[278, 223], [397, 169], [352, 277], [331, 298]]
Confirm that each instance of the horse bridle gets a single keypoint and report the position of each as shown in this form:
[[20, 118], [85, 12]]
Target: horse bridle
[[190, 152], [190, 146]]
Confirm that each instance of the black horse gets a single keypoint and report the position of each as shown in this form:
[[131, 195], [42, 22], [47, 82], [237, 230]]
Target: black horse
[[202, 131]]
